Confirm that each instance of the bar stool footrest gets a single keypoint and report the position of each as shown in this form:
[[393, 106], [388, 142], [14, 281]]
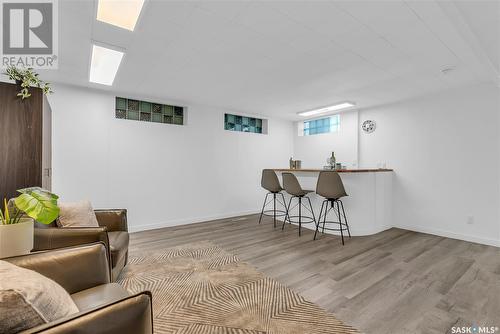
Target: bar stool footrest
[[270, 213], [307, 220], [321, 228]]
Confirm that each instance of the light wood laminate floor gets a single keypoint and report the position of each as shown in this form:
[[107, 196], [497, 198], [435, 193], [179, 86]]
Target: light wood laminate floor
[[396, 281]]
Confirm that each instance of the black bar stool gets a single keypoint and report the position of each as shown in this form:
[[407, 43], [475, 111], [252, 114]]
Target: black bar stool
[[330, 186], [270, 182], [292, 187]]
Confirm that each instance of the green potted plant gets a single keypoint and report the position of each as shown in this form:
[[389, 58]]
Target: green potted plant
[[17, 223], [27, 78]]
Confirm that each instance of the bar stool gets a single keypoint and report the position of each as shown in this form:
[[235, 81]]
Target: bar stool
[[292, 187], [270, 182], [330, 187]]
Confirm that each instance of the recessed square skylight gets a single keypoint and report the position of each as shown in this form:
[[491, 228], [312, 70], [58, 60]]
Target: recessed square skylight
[[120, 13], [104, 65]]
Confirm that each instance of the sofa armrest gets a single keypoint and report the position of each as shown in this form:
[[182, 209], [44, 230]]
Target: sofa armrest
[[75, 269], [113, 219], [53, 238], [130, 315]]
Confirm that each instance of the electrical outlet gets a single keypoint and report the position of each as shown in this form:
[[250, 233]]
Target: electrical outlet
[[470, 220]]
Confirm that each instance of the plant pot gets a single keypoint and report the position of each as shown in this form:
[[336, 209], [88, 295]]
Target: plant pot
[[16, 239]]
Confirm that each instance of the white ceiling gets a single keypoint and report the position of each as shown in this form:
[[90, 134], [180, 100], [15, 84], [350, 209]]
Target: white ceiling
[[281, 57]]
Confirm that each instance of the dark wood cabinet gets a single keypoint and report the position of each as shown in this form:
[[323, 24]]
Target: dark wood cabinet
[[25, 140]]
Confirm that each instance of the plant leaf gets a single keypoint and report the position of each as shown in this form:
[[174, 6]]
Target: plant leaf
[[38, 189], [28, 78], [39, 205], [6, 210]]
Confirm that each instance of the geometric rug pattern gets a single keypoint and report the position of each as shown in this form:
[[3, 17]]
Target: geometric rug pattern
[[202, 289]]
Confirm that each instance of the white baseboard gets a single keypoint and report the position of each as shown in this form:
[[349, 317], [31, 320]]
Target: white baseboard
[[441, 233], [452, 235], [146, 227]]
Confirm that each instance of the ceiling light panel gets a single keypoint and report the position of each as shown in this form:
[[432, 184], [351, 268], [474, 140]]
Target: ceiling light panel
[[104, 65], [120, 13], [324, 110]]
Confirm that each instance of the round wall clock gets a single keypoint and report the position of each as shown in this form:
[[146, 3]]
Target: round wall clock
[[369, 126]]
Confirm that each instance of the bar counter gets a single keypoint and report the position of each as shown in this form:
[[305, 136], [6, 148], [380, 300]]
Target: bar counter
[[369, 204], [358, 170]]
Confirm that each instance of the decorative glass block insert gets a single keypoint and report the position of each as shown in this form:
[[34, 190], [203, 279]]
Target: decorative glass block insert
[[121, 113], [322, 125], [242, 123], [121, 103], [157, 108], [167, 119], [148, 111], [145, 107], [168, 110], [178, 111], [132, 114], [133, 105], [146, 116], [157, 118]]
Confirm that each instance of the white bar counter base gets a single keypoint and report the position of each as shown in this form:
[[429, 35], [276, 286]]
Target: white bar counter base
[[368, 206]]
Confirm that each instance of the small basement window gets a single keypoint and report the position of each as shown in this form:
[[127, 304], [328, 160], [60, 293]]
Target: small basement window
[[245, 124], [322, 125], [148, 111]]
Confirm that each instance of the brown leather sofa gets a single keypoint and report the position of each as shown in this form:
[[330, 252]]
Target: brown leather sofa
[[105, 307], [112, 232]]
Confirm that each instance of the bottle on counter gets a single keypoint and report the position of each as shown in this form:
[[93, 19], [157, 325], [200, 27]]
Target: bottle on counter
[[291, 163], [332, 161]]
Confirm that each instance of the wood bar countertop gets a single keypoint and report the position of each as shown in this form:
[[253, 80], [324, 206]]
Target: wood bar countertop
[[361, 170]]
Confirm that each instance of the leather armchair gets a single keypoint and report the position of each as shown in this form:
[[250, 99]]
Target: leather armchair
[[105, 307], [113, 233]]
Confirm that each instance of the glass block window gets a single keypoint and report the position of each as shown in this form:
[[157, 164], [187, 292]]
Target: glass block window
[[242, 123], [148, 111], [322, 125]]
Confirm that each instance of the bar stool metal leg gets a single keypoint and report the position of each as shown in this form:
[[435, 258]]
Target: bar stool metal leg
[[284, 204], [312, 210], [287, 212], [319, 220], [263, 207], [345, 218], [340, 221], [326, 213], [300, 216], [274, 209]]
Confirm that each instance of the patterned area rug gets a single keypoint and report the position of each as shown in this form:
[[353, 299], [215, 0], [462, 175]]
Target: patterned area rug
[[200, 288]]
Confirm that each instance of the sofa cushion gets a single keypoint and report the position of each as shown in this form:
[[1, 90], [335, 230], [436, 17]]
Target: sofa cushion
[[118, 245], [28, 299], [78, 214], [98, 296]]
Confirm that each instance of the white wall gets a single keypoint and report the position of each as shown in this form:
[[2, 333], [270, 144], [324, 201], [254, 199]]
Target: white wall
[[163, 174], [444, 149], [314, 150]]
